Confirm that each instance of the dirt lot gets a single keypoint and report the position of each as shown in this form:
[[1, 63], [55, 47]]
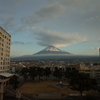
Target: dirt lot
[[46, 87]]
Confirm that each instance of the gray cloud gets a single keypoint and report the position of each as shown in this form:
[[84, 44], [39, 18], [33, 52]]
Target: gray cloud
[[46, 37], [71, 3], [8, 7], [4, 11], [80, 12], [7, 18], [49, 12], [67, 2], [11, 3], [21, 43], [90, 4], [80, 8], [98, 40], [8, 23]]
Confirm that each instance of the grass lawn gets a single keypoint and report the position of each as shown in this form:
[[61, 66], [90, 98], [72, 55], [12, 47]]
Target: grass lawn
[[46, 87]]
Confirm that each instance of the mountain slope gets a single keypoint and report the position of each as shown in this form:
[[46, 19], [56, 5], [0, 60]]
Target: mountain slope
[[51, 50]]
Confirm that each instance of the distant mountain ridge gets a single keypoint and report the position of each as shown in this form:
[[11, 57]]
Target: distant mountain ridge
[[53, 53], [51, 50]]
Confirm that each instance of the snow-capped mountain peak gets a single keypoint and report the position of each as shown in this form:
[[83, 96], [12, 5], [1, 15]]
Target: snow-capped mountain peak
[[51, 50]]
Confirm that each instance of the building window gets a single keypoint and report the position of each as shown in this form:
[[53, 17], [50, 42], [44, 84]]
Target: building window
[[1, 58], [1, 54]]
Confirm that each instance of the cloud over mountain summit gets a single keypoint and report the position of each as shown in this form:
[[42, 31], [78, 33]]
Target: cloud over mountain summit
[[47, 37]]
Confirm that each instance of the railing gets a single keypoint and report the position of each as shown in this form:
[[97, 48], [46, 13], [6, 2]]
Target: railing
[[24, 96]]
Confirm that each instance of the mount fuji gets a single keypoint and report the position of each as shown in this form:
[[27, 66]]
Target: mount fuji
[[53, 53], [51, 50]]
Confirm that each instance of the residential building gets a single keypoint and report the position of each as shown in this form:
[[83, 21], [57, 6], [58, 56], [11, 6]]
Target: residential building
[[5, 41], [93, 70]]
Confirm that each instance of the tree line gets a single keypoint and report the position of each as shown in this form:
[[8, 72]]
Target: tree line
[[77, 81]]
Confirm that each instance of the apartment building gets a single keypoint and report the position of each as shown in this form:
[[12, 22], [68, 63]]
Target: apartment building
[[5, 40], [93, 71]]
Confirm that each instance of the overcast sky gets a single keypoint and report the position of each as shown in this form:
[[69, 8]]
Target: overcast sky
[[70, 25]]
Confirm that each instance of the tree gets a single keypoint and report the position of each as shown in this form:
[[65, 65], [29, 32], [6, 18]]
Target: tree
[[25, 72], [61, 73], [47, 72], [58, 73], [55, 72], [70, 72], [39, 72], [81, 82], [14, 82], [32, 72]]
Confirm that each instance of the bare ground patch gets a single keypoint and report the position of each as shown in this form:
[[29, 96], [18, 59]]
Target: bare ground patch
[[46, 87]]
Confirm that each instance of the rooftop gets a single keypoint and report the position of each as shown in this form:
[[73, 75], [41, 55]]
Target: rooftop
[[6, 74]]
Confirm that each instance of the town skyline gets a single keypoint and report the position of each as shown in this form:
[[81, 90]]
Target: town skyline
[[70, 25]]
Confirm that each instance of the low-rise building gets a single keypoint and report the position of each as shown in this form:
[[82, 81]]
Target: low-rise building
[[92, 70]]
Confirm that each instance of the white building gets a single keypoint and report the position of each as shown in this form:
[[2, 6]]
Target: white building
[[5, 40], [93, 70]]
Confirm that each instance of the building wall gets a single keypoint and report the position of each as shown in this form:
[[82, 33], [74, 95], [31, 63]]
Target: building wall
[[5, 41], [94, 73]]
